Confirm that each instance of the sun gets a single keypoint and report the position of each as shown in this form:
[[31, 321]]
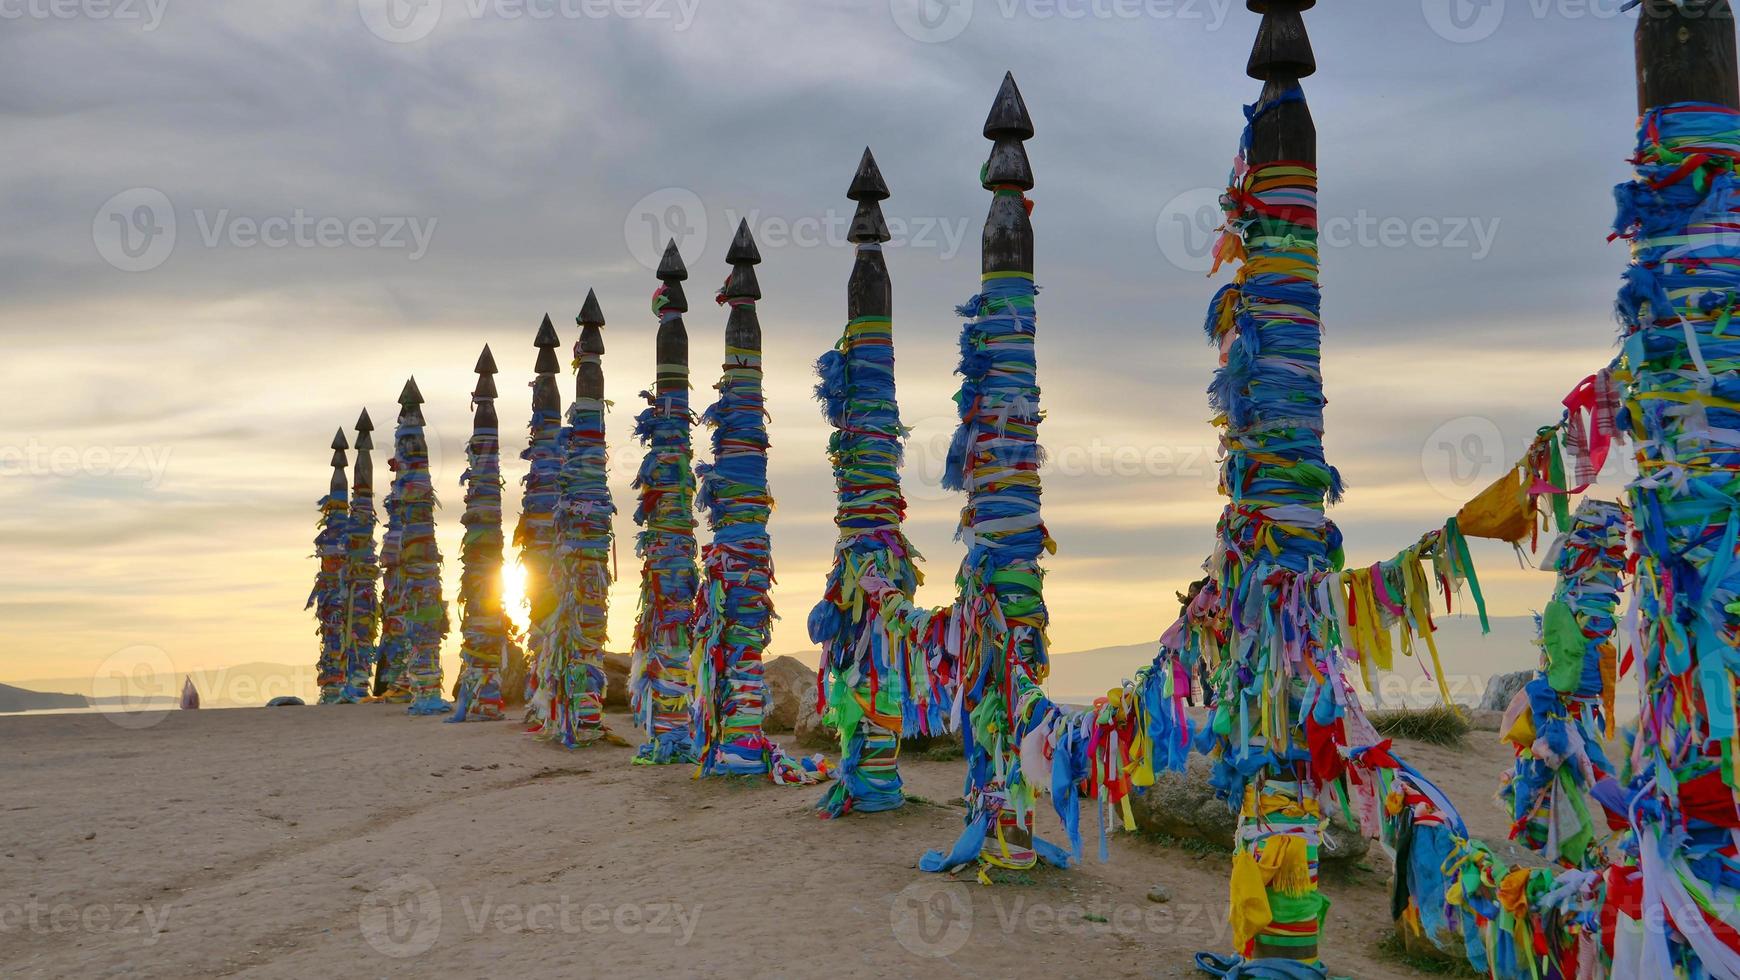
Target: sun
[[513, 595]]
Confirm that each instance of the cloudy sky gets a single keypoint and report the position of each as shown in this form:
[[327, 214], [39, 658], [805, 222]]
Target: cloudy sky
[[227, 227]]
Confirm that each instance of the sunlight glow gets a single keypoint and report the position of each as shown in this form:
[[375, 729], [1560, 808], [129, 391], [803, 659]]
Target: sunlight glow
[[513, 595]]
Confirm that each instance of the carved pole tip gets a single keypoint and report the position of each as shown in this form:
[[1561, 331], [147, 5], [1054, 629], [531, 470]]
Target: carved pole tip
[[338, 441], [1008, 117], [364, 423], [485, 362], [591, 314], [743, 250], [671, 267], [410, 396], [1283, 48], [867, 182], [868, 189], [547, 335]]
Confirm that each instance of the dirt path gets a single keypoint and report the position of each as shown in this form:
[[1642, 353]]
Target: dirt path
[[357, 842]]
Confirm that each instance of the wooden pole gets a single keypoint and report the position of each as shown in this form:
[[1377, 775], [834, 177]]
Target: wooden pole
[[730, 690], [583, 547], [1676, 353], [362, 569], [535, 535], [1273, 473], [662, 682], [1008, 236], [994, 459], [425, 607], [1281, 57], [589, 372], [328, 598], [869, 291], [487, 638], [858, 396], [1686, 53]]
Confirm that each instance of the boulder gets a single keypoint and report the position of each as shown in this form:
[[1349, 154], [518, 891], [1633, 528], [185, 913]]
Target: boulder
[[1342, 842], [1485, 720], [616, 666], [790, 681], [1184, 805], [938, 748], [1501, 688], [787, 679], [808, 729], [287, 701]]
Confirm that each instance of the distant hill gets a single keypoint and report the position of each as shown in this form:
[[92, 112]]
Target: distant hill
[[19, 699], [242, 686], [1469, 660]]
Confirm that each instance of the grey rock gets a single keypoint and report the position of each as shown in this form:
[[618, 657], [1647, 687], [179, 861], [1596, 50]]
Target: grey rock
[[1485, 720], [1160, 894], [1184, 805], [616, 667], [1501, 688], [1341, 841], [807, 727], [288, 701], [787, 679]]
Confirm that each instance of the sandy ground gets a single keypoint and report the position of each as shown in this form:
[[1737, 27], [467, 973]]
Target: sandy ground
[[357, 842]]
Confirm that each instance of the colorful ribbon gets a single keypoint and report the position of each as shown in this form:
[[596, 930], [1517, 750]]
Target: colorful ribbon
[[661, 680], [865, 666]]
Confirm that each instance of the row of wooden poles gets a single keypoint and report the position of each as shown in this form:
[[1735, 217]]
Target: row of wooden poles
[[1685, 53]]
